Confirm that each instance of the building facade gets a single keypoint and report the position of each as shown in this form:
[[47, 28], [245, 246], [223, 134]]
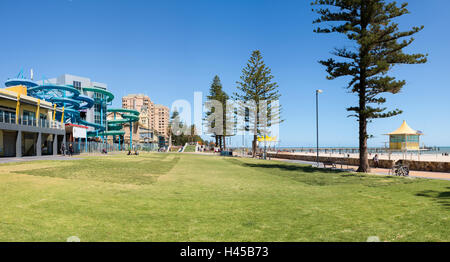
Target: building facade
[[162, 117], [27, 125]]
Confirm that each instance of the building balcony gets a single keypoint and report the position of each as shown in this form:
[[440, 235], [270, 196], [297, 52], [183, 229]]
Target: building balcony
[[10, 119]]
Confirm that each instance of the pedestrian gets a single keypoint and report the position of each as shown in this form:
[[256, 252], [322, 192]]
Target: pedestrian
[[63, 149], [376, 161], [70, 150]]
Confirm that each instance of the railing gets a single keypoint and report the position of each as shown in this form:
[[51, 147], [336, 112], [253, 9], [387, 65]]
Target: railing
[[98, 147], [10, 118]]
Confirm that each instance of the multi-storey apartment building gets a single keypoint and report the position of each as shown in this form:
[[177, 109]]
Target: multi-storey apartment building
[[162, 115], [153, 117]]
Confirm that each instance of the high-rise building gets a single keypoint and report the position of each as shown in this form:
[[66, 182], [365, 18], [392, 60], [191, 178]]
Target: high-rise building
[[162, 116], [153, 117]]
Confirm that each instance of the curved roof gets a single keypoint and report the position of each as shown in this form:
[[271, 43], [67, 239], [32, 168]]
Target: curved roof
[[404, 129]]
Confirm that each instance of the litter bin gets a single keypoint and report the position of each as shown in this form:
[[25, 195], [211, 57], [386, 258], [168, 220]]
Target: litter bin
[[226, 153]]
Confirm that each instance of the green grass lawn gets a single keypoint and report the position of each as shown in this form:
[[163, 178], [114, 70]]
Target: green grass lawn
[[186, 197]]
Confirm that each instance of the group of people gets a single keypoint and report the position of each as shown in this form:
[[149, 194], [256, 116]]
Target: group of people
[[135, 153], [70, 151], [64, 151]]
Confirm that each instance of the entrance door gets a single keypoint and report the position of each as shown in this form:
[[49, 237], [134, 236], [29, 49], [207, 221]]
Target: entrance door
[[9, 143], [29, 144]]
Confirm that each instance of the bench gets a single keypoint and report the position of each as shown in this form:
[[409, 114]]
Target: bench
[[342, 163], [329, 163]]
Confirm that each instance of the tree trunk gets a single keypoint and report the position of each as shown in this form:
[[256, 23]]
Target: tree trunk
[[216, 144], [224, 142], [255, 138], [363, 154], [364, 53]]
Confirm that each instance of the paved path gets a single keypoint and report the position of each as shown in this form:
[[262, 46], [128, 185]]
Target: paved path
[[35, 158], [380, 171]]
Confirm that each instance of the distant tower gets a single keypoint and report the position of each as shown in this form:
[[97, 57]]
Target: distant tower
[[31, 74]]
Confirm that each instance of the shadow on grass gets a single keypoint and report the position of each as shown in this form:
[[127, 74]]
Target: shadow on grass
[[441, 197], [317, 176], [290, 167]]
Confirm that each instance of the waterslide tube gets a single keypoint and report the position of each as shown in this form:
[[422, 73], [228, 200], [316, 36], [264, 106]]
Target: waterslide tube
[[50, 87], [110, 96], [66, 102], [94, 125], [88, 102], [19, 81], [73, 102]]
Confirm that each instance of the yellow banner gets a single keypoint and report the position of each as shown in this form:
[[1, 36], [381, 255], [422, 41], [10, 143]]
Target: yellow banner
[[267, 139]]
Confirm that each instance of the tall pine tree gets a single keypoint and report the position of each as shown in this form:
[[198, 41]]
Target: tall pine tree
[[257, 96], [216, 93], [379, 46]]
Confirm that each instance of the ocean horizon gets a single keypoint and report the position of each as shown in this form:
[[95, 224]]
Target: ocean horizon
[[431, 150]]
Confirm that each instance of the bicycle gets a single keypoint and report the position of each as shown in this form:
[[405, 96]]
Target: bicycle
[[400, 170]]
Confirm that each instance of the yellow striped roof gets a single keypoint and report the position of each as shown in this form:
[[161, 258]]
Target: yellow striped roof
[[404, 129]]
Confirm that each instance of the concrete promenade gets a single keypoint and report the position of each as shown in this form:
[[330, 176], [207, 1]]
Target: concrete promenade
[[35, 158]]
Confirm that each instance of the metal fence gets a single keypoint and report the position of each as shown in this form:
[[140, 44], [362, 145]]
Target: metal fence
[[99, 147]]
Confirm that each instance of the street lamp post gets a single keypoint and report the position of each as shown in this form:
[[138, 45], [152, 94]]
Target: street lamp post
[[318, 91]]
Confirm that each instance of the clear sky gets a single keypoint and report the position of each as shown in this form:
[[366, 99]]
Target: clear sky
[[169, 49]]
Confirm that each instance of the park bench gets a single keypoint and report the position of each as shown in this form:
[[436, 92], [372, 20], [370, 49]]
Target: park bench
[[342, 163], [329, 163]]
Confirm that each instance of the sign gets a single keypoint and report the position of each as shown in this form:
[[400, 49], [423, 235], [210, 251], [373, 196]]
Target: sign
[[79, 132], [267, 139]]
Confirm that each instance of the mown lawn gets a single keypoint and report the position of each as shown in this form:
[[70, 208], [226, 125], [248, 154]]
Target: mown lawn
[[187, 197]]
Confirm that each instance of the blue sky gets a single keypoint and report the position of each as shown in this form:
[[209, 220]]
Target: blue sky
[[169, 49]]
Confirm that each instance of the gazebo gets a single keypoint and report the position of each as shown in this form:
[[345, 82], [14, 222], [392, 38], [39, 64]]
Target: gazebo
[[404, 138]]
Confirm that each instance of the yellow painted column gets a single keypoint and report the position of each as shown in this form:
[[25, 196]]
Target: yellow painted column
[[54, 112], [18, 109], [62, 117], [37, 112]]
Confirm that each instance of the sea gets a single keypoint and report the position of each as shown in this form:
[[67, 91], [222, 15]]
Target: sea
[[427, 150]]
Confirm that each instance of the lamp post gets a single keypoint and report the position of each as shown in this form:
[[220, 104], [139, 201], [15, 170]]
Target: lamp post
[[318, 91]]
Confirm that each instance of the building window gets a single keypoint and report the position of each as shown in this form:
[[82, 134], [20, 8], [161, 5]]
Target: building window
[[28, 118], [77, 85]]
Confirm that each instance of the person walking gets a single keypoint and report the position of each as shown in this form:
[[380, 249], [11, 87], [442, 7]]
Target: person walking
[[63, 149], [70, 150]]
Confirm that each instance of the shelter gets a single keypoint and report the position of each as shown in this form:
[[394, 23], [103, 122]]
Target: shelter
[[404, 138]]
